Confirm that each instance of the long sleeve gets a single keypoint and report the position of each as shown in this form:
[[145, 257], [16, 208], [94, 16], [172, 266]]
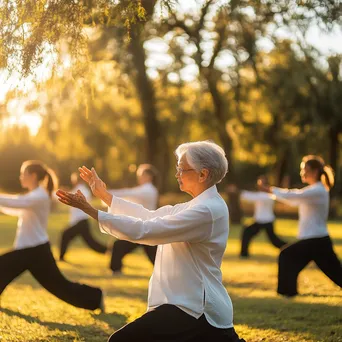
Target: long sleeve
[[136, 191], [120, 206], [21, 201], [251, 196], [181, 227], [294, 197], [10, 211]]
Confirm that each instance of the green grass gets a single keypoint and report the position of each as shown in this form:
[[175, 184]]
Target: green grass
[[30, 313]]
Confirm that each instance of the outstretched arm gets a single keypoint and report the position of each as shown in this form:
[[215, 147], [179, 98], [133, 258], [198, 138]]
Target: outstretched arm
[[183, 226], [21, 201]]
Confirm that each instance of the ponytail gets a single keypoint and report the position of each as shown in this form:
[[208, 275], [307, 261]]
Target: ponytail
[[327, 177], [325, 172], [45, 175], [51, 183]]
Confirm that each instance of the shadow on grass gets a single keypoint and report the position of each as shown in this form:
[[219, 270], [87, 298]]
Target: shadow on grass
[[281, 314], [318, 295], [113, 319], [86, 329], [260, 286], [113, 291], [245, 285], [109, 277]]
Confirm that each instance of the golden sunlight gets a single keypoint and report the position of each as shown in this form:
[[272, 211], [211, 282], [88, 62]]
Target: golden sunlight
[[31, 121]]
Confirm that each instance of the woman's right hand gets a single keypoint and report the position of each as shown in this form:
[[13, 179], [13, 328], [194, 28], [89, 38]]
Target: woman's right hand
[[97, 186]]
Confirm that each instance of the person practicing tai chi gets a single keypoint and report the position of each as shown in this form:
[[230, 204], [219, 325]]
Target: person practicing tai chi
[[32, 249], [79, 224], [187, 300], [146, 194], [314, 243], [264, 216]]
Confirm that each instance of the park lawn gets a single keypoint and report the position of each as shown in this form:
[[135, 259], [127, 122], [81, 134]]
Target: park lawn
[[29, 313]]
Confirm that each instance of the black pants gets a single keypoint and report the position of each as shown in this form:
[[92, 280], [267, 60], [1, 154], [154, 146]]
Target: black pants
[[169, 323], [41, 264], [82, 229], [250, 232], [122, 247], [294, 257]]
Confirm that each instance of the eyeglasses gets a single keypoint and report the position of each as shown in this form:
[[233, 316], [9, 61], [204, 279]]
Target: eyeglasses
[[180, 171]]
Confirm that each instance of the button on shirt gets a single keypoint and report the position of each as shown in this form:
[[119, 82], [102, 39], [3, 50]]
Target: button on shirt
[[145, 194], [263, 205], [191, 239], [313, 208], [33, 211], [77, 215]]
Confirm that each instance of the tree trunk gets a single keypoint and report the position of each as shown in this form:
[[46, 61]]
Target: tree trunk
[[334, 157], [225, 139], [156, 143], [233, 201], [282, 165], [156, 149], [334, 147]]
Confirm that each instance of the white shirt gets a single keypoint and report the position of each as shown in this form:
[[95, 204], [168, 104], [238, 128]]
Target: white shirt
[[33, 210], [313, 208], [77, 215], [191, 239], [145, 194], [263, 205]]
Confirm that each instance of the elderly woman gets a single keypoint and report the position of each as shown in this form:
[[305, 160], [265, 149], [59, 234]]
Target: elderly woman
[[187, 300]]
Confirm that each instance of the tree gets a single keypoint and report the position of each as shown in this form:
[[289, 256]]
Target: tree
[[68, 19], [222, 30]]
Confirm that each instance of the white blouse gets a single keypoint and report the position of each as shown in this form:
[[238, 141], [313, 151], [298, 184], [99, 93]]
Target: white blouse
[[77, 215], [33, 211], [191, 239], [145, 194], [263, 205], [313, 208]]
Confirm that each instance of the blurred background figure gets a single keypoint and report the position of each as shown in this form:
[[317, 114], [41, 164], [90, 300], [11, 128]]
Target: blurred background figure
[[263, 215], [79, 224], [314, 243], [145, 193], [32, 250]]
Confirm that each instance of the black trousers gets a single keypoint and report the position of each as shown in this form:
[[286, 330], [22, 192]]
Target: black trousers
[[169, 323], [41, 264], [251, 231], [82, 229], [122, 247], [294, 257]]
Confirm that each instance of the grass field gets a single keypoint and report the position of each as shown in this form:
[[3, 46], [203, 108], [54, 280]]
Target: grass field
[[29, 313]]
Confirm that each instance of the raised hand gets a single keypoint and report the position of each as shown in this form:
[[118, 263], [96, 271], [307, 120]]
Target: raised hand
[[85, 173], [263, 186], [97, 186], [76, 200]]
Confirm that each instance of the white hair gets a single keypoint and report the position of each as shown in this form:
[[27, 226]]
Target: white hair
[[205, 155]]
